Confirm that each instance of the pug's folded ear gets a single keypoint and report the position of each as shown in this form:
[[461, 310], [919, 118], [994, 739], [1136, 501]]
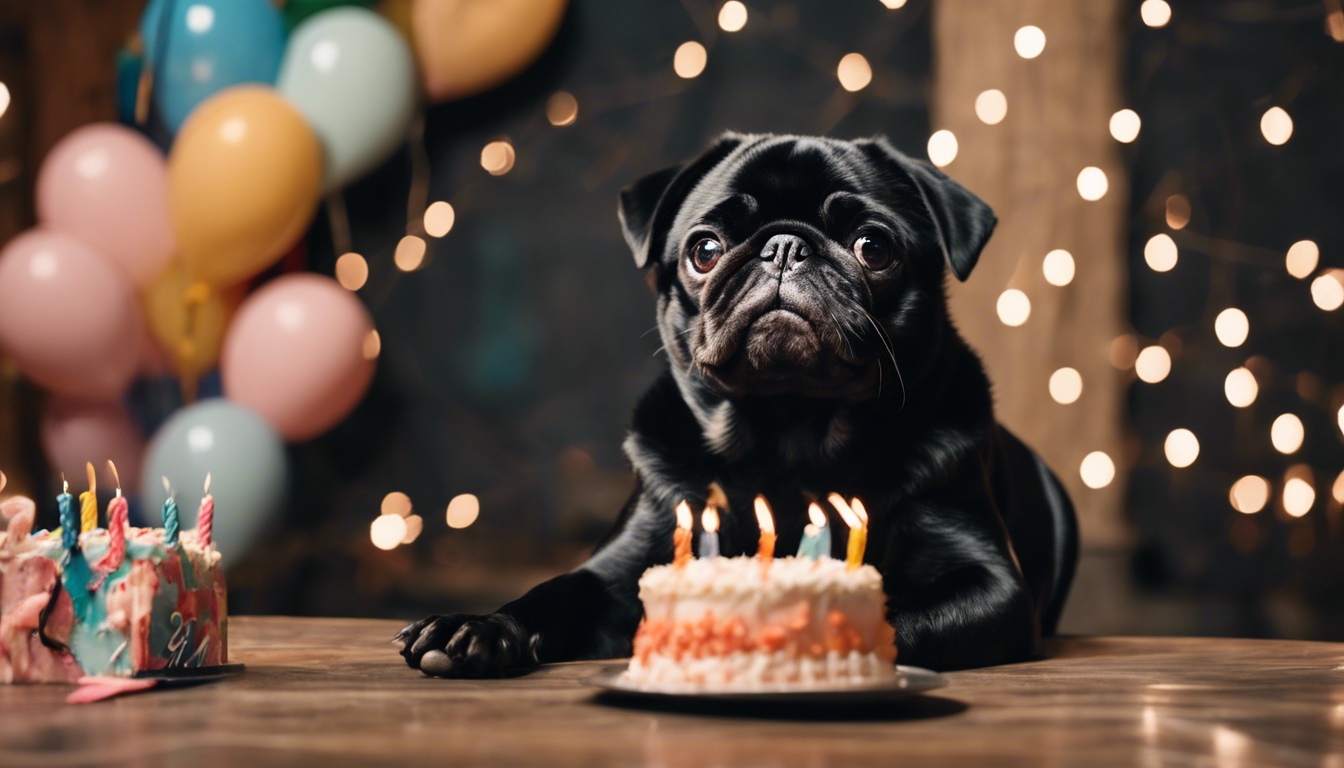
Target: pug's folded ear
[[648, 206], [963, 221]]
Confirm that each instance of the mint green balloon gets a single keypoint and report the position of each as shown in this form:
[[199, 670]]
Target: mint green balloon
[[351, 75], [246, 462]]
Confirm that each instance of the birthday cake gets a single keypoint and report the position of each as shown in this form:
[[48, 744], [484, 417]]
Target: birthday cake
[[748, 623], [110, 606]]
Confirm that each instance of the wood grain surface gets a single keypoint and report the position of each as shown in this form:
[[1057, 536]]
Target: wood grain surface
[[332, 692]]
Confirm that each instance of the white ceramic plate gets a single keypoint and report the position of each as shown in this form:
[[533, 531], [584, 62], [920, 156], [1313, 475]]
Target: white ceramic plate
[[908, 682]]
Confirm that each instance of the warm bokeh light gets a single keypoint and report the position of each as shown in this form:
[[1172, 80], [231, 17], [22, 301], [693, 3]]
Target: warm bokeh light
[[1250, 494], [991, 106], [1302, 258], [396, 503], [1124, 350], [1155, 13], [1327, 292], [690, 59], [854, 72], [498, 157], [1232, 327], [562, 109], [439, 219], [1241, 387], [1337, 490], [1066, 385], [373, 345], [942, 148], [1014, 307], [1298, 496], [1058, 267], [1287, 433], [387, 531], [1097, 470], [463, 510], [4, 99], [1181, 447], [414, 525], [1334, 24], [732, 16], [894, 4], [1092, 183], [352, 271], [1161, 253], [1153, 364], [1178, 211], [1340, 418], [1276, 125], [410, 253], [1125, 126], [1029, 42]]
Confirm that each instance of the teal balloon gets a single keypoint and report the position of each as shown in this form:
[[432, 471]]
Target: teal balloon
[[351, 75], [298, 11], [245, 459], [208, 45]]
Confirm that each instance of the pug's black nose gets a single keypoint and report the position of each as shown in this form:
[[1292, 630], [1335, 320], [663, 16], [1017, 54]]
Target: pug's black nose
[[786, 250]]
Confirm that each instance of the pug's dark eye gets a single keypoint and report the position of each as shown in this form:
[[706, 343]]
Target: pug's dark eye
[[874, 252], [705, 254]]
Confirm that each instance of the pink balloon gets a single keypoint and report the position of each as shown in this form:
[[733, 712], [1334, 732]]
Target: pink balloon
[[108, 186], [295, 354], [75, 432], [67, 316]]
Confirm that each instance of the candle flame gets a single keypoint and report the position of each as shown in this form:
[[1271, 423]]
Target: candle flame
[[710, 519], [846, 512], [3, 481], [684, 518], [167, 487], [815, 514], [65, 485], [207, 483], [115, 477], [763, 516], [859, 509], [93, 477]]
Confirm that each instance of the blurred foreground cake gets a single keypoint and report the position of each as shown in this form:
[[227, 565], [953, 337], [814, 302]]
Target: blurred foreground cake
[[138, 604], [745, 623]]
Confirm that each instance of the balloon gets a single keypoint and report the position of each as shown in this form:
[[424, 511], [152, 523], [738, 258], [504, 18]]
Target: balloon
[[246, 462], [469, 46], [211, 45], [108, 186], [295, 354], [75, 432], [67, 316], [352, 76], [192, 343], [243, 178], [297, 11]]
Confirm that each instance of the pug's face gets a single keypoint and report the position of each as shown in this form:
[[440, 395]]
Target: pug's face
[[790, 265]]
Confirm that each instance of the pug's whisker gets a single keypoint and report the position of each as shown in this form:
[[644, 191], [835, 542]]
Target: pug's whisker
[[886, 342]]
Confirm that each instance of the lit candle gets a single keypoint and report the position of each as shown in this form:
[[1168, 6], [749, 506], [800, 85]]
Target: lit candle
[[816, 541], [205, 519], [857, 520], [88, 502], [681, 537], [709, 538], [170, 523], [69, 525], [118, 512], [766, 549]]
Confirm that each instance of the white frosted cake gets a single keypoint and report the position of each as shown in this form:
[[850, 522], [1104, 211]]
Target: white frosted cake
[[745, 623]]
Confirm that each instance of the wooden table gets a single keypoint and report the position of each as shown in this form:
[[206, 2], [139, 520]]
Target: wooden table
[[332, 692]]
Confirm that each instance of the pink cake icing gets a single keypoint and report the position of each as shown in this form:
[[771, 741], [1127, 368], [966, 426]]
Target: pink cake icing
[[63, 617]]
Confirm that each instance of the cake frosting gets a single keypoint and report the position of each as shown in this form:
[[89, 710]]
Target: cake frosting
[[744, 622], [63, 615]]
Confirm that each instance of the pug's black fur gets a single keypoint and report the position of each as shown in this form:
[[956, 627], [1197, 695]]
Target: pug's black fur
[[802, 307]]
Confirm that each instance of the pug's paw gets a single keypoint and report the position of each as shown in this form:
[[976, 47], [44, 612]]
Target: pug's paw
[[468, 646]]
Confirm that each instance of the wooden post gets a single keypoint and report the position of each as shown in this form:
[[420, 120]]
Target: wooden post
[[1026, 167]]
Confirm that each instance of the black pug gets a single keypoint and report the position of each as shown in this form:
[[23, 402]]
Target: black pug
[[801, 303]]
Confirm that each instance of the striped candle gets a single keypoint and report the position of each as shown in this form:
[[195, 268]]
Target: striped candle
[[205, 520]]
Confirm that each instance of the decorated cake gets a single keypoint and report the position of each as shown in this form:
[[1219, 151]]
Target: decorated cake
[[760, 623], [100, 604]]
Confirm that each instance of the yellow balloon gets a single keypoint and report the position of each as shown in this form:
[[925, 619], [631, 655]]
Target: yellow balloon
[[189, 319], [243, 178], [469, 46]]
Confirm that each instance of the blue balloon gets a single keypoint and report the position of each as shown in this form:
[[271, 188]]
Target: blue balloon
[[245, 459], [208, 45]]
